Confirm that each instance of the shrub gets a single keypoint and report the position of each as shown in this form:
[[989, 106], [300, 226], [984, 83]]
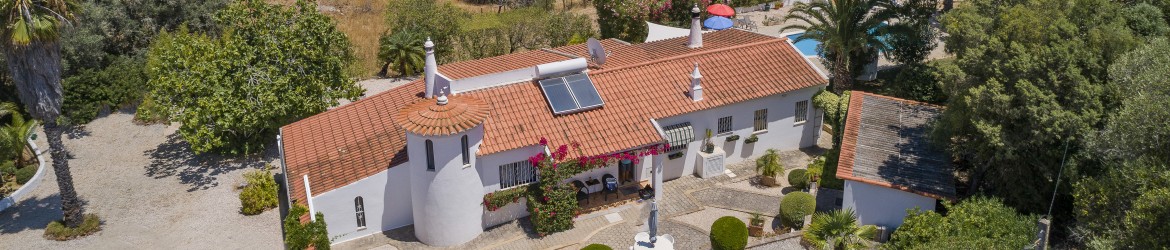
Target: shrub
[[496, 200], [769, 164], [149, 112], [830, 180], [57, 230], [816, 168], [728, 233], [597, 247], [260, 193], [798, 178], [91, 91], [794, 206], [26, 173], [918, 82], [298, 235]]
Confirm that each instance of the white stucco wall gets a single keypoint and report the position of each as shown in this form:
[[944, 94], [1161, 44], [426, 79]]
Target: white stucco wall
[[446, 201], [505, 214], [782, 133], [882, 206], [386, 197], [489, 165]]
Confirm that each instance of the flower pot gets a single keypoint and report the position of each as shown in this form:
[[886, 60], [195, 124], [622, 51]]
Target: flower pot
[[756, 230], [709, 148], [769, 181]]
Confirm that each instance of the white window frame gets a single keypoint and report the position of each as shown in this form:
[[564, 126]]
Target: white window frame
[[801, 113], [512, 174], [760, 121], [724, 125], [359, 208]]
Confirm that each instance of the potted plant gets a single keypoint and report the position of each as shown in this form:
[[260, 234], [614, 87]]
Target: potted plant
[[769, 166], [708, 147], [756, 227], [733, 138], [751, 139], [815, 168]]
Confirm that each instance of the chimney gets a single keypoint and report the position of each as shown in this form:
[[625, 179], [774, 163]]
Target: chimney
[[696, 29], [430, 68], [696, 88]]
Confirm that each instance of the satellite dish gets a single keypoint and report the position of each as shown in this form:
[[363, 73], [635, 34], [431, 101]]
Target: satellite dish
[[596, 51]]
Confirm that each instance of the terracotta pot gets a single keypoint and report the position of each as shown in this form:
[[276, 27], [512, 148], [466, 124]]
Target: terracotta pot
[[769, 181], [756, 231]]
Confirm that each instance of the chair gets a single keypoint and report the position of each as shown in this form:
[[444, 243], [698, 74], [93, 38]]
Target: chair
[[582, 193], [610, 185]]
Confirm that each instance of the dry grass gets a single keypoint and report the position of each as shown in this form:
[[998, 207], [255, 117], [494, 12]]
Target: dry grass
[[364, 21]]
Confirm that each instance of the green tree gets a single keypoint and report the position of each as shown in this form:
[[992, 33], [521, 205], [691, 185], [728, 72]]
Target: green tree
[[849, 32], [1146, 20], [838, 229], [402, 52], [915, 37], [1035, 74], [1110, 207], [231, 94], [978, 221], [32, 50], [438, 20], [301, 235], [1137, 129]]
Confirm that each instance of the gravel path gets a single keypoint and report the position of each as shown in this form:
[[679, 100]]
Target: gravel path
[[150, 191]]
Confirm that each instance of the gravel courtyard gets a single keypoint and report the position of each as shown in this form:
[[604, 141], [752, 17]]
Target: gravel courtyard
[[150, 191]]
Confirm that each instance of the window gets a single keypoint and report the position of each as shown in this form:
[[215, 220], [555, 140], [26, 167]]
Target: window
[[761, 120], [517, 173], [801, 111], [430, 156], [466, 149], [679, 136], [361, 211], [724, 124]]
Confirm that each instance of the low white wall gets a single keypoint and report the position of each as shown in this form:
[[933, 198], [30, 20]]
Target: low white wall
[[505, 214], [882, 206], [32, 183], [782, 133], [386, 197]]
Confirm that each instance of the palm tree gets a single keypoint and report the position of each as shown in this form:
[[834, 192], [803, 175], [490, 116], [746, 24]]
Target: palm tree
[[838, 230], [32, 30], [402, 52], [847, 29], [14, 135]]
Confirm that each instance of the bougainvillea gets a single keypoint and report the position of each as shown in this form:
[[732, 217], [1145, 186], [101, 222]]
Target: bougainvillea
[[552, 204]]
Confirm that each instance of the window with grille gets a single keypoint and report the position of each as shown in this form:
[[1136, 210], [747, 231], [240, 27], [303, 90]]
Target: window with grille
[[724, 124], [360, 208], [466, 151], [517, 173], [761, 120], [801, 111], [430, 155]]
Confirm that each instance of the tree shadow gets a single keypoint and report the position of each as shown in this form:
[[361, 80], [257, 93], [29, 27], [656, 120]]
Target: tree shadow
[[31, 214], [76, 132], [201, 171]]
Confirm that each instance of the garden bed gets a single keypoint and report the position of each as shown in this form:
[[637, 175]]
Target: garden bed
[[22, 180]]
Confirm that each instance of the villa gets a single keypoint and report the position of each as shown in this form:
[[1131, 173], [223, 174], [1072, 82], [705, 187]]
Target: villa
[[887, 161], [425, 153]]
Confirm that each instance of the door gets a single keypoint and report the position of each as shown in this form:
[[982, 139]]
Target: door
[[625, 171]]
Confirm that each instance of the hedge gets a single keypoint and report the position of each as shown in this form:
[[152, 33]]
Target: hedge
[[794, 206], [597, 247], [798, 178], [495, 200], [728, 233], [26, 173]]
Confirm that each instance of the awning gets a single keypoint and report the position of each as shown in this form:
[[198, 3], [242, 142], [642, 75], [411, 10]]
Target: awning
[[679, 135]]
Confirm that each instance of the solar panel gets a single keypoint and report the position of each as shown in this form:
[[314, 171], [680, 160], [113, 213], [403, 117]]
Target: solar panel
[[571, 93], [584, 90]]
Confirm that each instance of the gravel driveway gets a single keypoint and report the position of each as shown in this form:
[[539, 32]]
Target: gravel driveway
[[150, 191]]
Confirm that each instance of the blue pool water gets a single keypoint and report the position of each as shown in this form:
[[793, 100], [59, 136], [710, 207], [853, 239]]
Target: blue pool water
[[808, 47]]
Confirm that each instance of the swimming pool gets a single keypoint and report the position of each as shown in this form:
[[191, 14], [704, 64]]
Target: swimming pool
[[808, 47]]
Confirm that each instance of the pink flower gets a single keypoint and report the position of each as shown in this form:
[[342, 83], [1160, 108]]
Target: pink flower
[[576, 145], [543, 141]]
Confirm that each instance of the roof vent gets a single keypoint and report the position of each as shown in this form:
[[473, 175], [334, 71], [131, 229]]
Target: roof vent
[[442, 100], [696, 29], [696, 86]]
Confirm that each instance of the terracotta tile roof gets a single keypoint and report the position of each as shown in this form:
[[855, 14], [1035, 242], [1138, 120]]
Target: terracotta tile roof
[[491, 65], [885, 144], [360, 139], [347, 143], [428, 117]]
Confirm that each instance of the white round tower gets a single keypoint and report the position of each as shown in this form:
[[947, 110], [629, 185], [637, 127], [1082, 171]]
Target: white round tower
[[442, 136]]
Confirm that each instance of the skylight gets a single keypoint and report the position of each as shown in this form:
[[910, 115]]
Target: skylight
[[571, 94]]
